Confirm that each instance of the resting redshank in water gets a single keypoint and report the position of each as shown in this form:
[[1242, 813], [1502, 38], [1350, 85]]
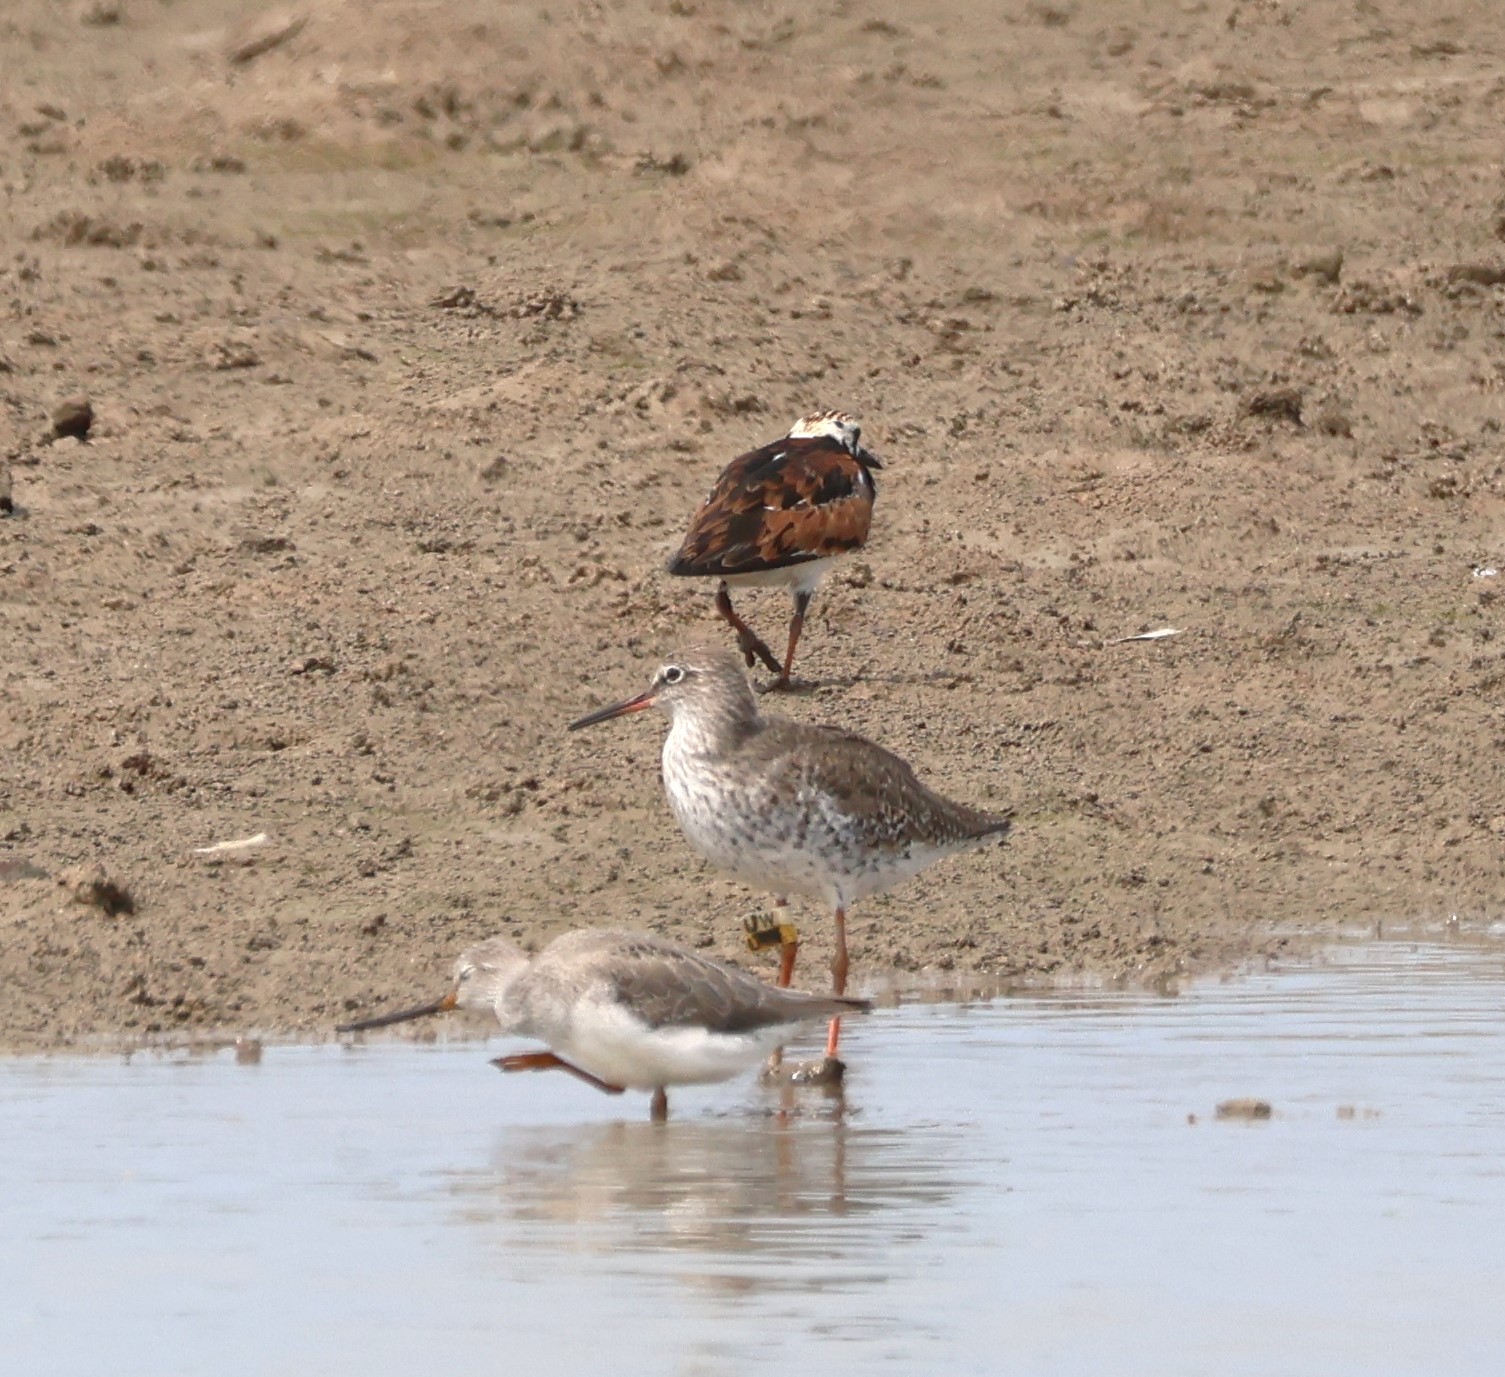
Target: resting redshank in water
[[625, 1011], [777, 517], [790, 808]]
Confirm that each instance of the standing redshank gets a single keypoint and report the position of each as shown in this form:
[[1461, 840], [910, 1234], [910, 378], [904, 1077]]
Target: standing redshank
[[777, 517], [625, 1010], [790, 808]]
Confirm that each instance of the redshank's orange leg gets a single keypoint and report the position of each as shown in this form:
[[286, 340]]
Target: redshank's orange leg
[[787, 953], [748, 641], [796, 625], [658, 1108], [547, 1061], [838, 978], [788, 949]]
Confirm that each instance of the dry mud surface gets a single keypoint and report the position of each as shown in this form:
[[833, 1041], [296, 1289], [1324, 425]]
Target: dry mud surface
[[413, 334]]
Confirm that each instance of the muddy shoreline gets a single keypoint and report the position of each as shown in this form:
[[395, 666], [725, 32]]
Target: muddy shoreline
[[410, 345]]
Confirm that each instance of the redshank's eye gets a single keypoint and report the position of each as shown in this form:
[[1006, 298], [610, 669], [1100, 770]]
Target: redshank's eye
[[673, 674]]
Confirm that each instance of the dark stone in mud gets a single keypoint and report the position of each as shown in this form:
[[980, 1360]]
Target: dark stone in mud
[[91, 885], [1280, 403], [74, 417], [1480, 274]]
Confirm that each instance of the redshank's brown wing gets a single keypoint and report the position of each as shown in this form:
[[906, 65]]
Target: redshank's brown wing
[[787, 503], [669, 987], [877, 791]]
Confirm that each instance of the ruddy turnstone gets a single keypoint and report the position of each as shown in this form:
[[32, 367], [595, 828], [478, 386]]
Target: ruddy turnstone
[[790, 808], [777, 517], [625, 1011]]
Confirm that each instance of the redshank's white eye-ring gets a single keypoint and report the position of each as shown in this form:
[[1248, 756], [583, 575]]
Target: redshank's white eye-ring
[[673, 674]]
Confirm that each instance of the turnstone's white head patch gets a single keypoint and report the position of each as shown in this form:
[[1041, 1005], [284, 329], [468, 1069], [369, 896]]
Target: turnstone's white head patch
[[829, 425]]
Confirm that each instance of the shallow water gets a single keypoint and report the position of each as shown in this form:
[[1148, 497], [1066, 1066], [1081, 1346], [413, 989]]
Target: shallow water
[[1008, 1186]]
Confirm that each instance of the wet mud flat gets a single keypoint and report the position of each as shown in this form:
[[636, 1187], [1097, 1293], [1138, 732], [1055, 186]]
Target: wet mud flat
[[361, 367]]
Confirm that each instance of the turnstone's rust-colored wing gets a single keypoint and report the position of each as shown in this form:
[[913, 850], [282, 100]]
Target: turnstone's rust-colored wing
[[798, 499]]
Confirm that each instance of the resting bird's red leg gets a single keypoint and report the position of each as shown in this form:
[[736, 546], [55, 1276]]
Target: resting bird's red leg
[[547, 1061]]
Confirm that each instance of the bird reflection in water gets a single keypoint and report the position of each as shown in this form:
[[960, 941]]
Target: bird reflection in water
[[805, 1183]]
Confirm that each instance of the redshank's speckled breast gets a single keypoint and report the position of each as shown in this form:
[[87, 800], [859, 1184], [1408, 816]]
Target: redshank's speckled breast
[[797, 809], [790, 808]]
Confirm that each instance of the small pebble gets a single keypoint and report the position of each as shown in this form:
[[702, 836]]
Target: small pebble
[[1244, 1109]]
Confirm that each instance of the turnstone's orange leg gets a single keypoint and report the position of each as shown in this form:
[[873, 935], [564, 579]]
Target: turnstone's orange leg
[[547, 1061], [796, 625], [658, 1109], [748, 640], [838, 978]]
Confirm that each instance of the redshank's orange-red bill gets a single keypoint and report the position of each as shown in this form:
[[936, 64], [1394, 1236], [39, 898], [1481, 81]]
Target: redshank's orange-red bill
[[638, 704]]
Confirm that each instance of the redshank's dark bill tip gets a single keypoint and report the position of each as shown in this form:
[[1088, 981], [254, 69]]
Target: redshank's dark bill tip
[[435, 1006], [643, 700]]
